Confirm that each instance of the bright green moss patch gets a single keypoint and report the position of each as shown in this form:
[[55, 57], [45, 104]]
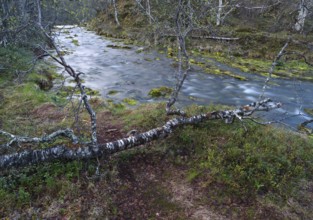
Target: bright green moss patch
[[113, 92], [75, 42], [162, 91], [129, 101]]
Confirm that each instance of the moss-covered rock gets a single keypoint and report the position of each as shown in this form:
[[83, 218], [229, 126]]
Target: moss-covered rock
[[162, 91], [130, 101], [113, 92], [75, 42]]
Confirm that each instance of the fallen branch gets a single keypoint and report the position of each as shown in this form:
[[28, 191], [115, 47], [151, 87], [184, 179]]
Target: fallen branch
[[14, 139], [216, 38], [65, 153], [303, 126], [206, 37], [76, 76]]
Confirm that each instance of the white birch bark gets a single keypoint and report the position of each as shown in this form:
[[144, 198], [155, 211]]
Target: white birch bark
[[219, 12], [303, 12], [115, 13]]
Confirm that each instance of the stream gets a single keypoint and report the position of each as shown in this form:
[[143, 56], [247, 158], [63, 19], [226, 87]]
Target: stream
[[134, 74]]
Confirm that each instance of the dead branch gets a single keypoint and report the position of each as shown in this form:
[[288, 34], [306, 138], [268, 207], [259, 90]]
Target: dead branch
[[78, 81], [184, 25], [15, 139], [62, 152], [216, 38], [147, 11], [301, 56], [304, 124], [274, 64]]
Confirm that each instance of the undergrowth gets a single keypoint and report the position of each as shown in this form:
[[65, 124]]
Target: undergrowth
[[227, 161]]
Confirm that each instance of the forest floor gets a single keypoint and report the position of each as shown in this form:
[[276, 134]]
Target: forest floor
[[199, 172]]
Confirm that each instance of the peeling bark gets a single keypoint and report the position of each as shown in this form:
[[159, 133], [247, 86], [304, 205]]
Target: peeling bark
[[61, 152], [47, 138], [219, 12], [303, 12]]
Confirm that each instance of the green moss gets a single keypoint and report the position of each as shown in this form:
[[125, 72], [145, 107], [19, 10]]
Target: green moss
[[113, 92], [92, 92], [309, 111], [75, 42], [129, 101], [162, 91], [66, 32], [170, 52], [148, 59], [114, 46], [297, 69], [115, 107]]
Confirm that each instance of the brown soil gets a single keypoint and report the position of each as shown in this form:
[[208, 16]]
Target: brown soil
[[109, 129], [48, 113], [150, 187]]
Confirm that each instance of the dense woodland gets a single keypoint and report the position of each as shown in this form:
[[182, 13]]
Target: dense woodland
[[66, 151]]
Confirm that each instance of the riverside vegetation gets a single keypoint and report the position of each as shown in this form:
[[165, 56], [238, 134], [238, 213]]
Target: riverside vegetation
[[264, 172], [210, 170]]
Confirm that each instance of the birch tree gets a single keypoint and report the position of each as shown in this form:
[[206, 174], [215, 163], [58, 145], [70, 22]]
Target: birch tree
[[115, 13], [302, 14], [219, 12]]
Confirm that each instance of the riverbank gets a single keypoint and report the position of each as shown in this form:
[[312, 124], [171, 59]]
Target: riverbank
[[252, 51], [210, 170], [126, 74], [207, 170]]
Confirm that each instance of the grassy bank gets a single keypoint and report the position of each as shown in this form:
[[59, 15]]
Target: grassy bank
[[262, 173], [209, 170]]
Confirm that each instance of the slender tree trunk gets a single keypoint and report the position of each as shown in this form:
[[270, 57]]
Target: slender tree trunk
[[303, 12], [5, 16], [39, 13], [219, 12], [149, 11], [116, 13]]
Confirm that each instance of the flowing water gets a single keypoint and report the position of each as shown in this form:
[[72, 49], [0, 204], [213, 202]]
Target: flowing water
[[134, 74]]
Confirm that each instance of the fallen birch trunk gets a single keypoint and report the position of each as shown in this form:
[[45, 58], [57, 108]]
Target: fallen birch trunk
[[61, 152]]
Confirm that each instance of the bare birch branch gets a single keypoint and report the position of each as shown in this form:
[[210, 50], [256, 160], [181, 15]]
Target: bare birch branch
[[274, 64], [184, 24], [78, 81], [15, 139]]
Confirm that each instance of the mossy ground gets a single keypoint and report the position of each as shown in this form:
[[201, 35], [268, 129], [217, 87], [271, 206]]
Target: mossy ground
[[211, 166]]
